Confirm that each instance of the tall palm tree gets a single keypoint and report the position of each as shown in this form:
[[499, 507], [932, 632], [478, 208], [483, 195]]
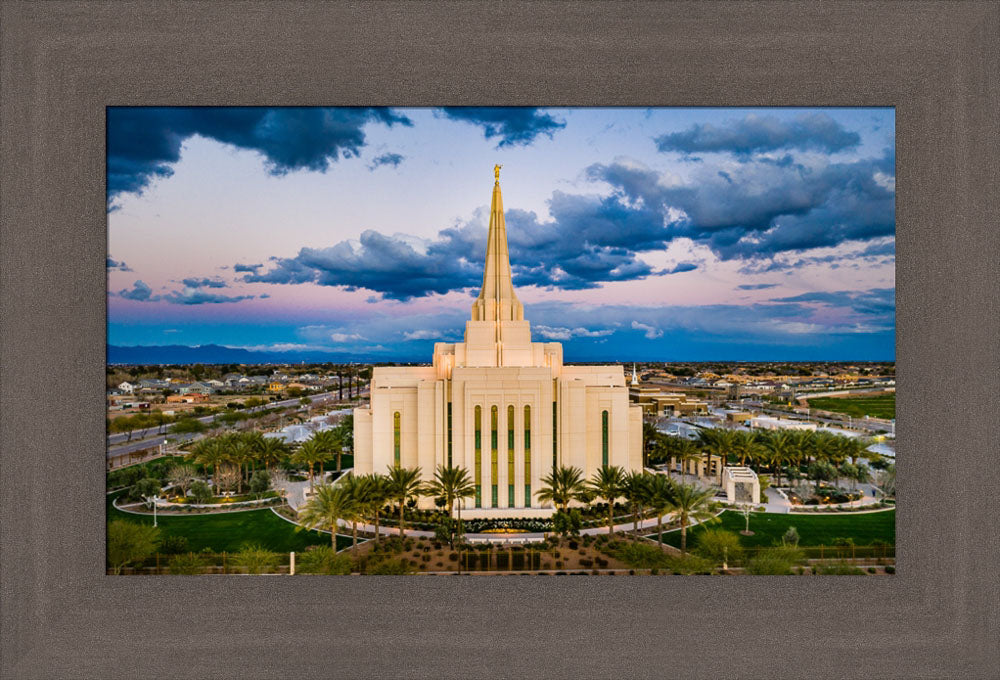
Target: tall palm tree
[[452, 484], [686, 451], [562, 486], [326, 507], [272, 450], [745, 446], [404, 485], [608, 483], [691, 503], [329, 442], [782, 448], [660, 499], [360, 489], [716, 442], [309, 454], [635, 486], [240, 453], [211, 452], [377, 497]]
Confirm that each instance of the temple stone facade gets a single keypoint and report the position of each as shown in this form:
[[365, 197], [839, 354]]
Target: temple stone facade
[[498, 404]]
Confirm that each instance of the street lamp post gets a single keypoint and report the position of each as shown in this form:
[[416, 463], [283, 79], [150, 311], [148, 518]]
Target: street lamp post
[[152, 499]]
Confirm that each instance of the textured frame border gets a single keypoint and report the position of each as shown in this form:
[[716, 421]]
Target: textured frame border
[[62, 62]]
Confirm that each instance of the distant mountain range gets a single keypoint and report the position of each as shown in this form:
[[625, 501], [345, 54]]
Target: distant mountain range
[[220, 354]]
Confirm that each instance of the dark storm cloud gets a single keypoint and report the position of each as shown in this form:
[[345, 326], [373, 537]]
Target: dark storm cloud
[[204, 283], [120, 266], [755, 134], [393, 159], [513, 126], [143, 143], [761, 209]]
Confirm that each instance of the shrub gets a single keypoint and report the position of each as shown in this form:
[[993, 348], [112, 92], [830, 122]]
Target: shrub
[[129, 542], [588, 563], [890, 569], [718, 545], [171, 545], [389, 567], [322, 559], [872, 570], [773, 561], [256, 559], [187, 564], [641, 555], [688, 564]]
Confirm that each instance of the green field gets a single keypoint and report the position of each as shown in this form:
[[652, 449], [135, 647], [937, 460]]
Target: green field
[[876, 405], [817, 529], [229, 531]]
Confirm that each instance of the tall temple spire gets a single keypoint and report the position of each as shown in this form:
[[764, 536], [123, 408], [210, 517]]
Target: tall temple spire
[[497, 300]]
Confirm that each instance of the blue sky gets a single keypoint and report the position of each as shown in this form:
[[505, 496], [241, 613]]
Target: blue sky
[[647, 234]]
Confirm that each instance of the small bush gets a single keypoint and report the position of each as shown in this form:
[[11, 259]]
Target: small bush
[[172, 545], [890, 569], [389, 567], [187, 564], [453, 556], [322, 559]]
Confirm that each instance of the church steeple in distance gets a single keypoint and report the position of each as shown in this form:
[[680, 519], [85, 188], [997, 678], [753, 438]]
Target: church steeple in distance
[[497, 300]]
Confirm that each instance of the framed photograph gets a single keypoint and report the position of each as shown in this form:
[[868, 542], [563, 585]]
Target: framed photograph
[[397, 293]]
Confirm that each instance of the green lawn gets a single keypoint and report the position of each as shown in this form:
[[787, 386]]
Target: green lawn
[[876, 406], [228, 532], [817, 529]]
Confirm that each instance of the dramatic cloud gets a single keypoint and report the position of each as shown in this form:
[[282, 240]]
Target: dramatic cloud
[[144, 142], [760, 209], [393, 159], [120, 266], [879, 302], [246, 267], [651, 332], [515, 126], [140, 291], [204, 283], [756, 134], [190, 295]]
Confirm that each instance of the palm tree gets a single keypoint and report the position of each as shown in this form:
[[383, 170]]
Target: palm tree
[[329, 442], [716, 442], [378, 496], [635, 490], [360, 489], [451, 483], [240, 453], [326, 507], [608, 483], [211, 453], [562, 486], [782, 448], [691, 503], [309, 454], [686, 451], [404, 485], [745, 446], [271, 451], [660, 499]]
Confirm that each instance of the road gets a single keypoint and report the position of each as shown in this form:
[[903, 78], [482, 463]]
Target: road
[[139, 435]]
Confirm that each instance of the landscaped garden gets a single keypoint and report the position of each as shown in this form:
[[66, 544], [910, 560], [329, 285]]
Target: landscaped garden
[[813, 530], [875, 405]]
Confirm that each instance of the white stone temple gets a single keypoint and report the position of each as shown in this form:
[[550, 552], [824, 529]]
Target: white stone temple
[[498, 404]]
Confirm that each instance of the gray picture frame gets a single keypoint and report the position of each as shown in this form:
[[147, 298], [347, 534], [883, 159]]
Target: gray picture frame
[[63, 62]]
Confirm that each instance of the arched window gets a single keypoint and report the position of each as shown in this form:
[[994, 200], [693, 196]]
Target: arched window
[[510, 456], [604, 438], [527, 456], [479, 456], [395, 439], [493, 456]]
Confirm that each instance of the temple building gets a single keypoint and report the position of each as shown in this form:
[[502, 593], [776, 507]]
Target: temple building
[[505, 408]]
